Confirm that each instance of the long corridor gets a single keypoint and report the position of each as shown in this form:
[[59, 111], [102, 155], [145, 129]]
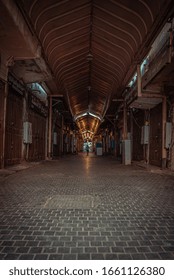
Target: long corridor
[[80, 207]]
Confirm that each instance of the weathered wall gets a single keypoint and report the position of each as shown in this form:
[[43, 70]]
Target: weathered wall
[[2, 93], [155, 155], [37, 148], [137, 123], [14, 127], [172, 142]]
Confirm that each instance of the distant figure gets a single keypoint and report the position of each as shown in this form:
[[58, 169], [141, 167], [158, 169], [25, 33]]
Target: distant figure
[[87, 149]]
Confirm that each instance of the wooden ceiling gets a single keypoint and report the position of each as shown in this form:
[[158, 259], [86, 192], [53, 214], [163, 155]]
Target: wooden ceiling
[[92, 46]]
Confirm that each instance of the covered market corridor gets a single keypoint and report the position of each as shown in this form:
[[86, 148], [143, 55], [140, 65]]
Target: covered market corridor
[[85, 75]]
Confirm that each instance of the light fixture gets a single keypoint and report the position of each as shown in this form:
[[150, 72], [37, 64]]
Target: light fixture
[[89, 57], [87, 114]]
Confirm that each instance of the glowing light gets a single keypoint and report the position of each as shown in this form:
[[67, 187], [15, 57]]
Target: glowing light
[[86, 114]]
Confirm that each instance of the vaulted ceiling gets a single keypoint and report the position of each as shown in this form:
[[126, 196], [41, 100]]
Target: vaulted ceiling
[[92, 47]]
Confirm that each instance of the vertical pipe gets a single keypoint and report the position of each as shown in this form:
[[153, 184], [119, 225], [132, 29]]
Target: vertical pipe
[[46, 137], [50, 130], [115, 139], [164, 118], [62, 144]]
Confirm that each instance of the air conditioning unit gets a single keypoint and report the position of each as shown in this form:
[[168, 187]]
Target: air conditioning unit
[[145, 134], [168, 135], [27, 133]]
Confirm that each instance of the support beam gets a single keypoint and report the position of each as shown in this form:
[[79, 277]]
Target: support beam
[[50, 130], [164, 118]]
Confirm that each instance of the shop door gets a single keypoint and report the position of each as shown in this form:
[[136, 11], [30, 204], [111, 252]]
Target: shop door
[[137, 122], [14, 128], [155, 157], [37, 148], [1, 121]]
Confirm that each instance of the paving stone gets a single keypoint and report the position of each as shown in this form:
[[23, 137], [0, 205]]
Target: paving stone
[[96, 243], [21, 250], [123, 212], [104, 250], [11, 257], [7, 243], [32, 243], [138, 256], [124, 257], [130, 250], [48, 250], [41, 257], [117, 249], [55, 257], [143, 249], [69, 257], [83, 256], [167, 256], [35, 250], [78, 250], [26, 257], [2, 256], [152, 256], [91, 250], [111, 257], [64, 250], [8, 250], [58, 244], [97, 257]]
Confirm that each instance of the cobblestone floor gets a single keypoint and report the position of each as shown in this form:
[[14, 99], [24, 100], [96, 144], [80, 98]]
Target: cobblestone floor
[[81, 207]]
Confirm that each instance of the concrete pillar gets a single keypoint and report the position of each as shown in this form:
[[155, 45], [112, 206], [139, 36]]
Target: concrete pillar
[[62, 126], [131, 128], [124, 121], [50, 130], [46, 138], [115, 141], [164, 118]]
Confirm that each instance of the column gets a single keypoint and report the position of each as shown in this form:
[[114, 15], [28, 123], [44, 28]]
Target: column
[[50, 130], [124, 121], [164, 118]]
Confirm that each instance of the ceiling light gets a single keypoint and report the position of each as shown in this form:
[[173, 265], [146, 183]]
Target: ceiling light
[[89, 57]]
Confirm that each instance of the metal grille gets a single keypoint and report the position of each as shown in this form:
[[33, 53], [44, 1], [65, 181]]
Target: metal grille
[[72, 202]]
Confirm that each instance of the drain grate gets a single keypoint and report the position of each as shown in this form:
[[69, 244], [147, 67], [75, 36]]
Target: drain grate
[[72, 202]]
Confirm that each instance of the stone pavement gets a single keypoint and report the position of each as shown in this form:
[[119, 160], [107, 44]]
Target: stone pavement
[[80, 207]]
